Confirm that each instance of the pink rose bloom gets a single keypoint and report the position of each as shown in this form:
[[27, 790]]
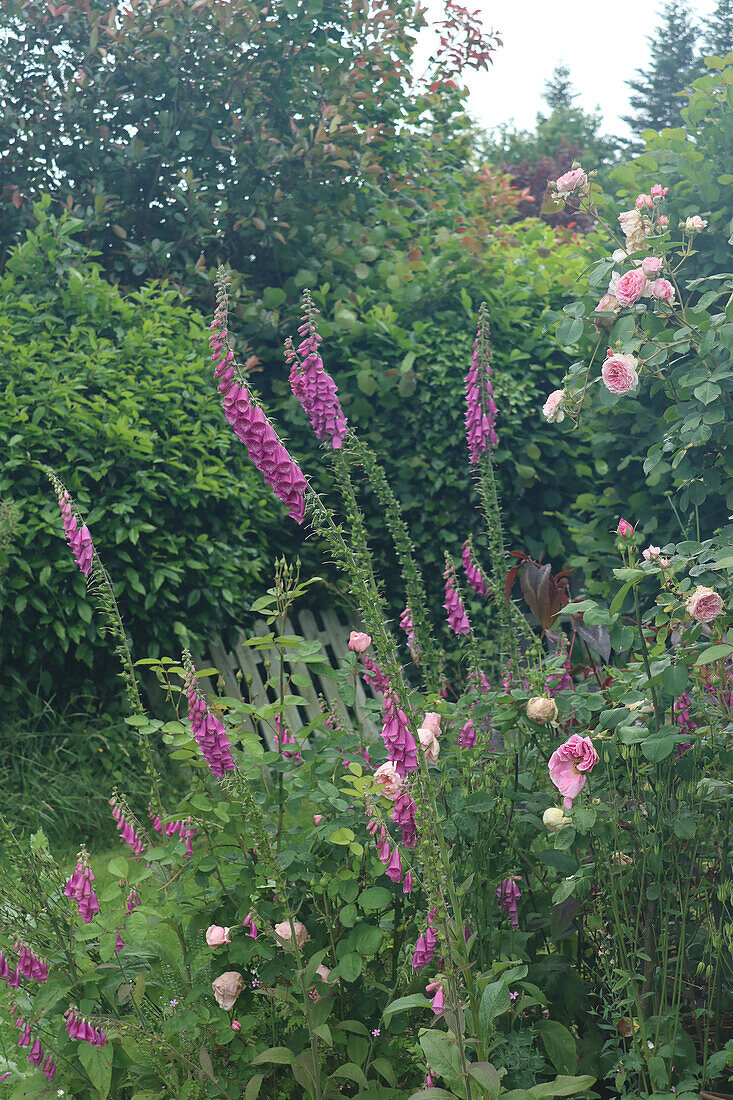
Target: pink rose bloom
[[553, 409], [658, 192], [695, 224], [283, 931], [429, 744], [704, 604], [431, 721], [631, 287], [643, 200], [624, 529], [317, 819], [571, 180], [359, 642], [216, 936], [236, 1026], [323, 973], [664, 562], [569, 764], [389, 779], [227, 988], [663, 290], [651, 553], [619, 372], [663, 221], [651, 265]]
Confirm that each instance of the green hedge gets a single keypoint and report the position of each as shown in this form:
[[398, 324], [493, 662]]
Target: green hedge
[[114, 393]]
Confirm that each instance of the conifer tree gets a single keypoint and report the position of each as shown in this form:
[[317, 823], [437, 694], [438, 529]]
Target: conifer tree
[[559, 93], [718, 30], [672, 67]]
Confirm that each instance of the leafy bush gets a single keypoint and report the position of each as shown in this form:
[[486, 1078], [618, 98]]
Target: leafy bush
[[108, 388]]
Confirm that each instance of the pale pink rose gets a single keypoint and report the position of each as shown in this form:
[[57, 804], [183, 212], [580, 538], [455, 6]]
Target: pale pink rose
[[317, 819], [663, 290], [619, 373], [571, 181], [429, 744], [624, 529], [283, 931], [431, 721], [568, 766], [695, 224], [541, 709], [664, 562], [227, 988], [359, 642], [704, 604], [643, 200], [216, 936], [389, 779], [658, 192], [631, 287], [652, 265], [553, 409], [323, 973], [651, 553], [663, 221]]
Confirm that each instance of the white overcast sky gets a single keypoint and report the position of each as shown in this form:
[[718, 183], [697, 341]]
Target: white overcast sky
[[603, 43]]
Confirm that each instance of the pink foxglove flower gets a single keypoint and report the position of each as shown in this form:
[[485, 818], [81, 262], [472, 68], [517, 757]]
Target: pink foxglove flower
[[284, 737], [78, 538], [704, 604], [208, 731], [509, 894], [80, 1029], [480, 404], [439, 997], [374, 676], [250, 424], [36, 1055], [409, 628], [474, 576], [569, 765], [619, 372], [124, 827], [457, 618], [394, 867], [30, 965], [79, 887], [250, 926], [403, 815], [468, 737], [314, 388], [49, 1068], [425, 947], [407, 884], [398, 740]]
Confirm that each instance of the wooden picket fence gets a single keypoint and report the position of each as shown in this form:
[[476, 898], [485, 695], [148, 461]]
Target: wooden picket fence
[[325, 627]]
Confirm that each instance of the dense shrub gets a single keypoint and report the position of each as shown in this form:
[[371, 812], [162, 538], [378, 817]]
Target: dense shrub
[[109, 390]]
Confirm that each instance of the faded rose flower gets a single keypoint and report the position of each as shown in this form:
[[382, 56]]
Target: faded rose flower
[[284, 932], [651, 265], [541, 709], [389, 779], [323, 973], [632, 224], [619, 373], [620, 859], [553, 409], [568, 766], [695, 224], [554, 819], [359, 641], [704, 604], [431, 722], [429, 744], [227, 988], [631, 287], [607, 305], [216, 936], [571, 181]]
